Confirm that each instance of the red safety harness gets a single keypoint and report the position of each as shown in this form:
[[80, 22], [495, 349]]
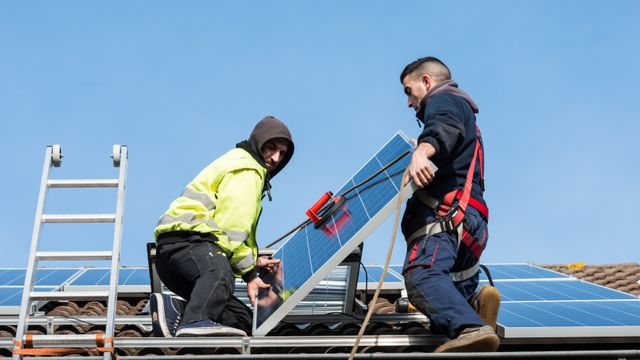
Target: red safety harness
[[451, 210]]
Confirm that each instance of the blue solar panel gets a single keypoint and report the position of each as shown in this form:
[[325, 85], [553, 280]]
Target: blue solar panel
[[555, 290], [44, 277], [396, 268], [519, 271], [373, 274], [538, 303], [309, 250], [12, 296], [101, 277], [570, 313], [136, 277], [9, 276]]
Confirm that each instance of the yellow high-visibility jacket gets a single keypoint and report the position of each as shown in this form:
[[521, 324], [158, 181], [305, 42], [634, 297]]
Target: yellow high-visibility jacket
[[224, 199]]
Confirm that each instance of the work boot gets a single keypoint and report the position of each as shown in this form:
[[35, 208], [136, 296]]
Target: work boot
[[165, 312], [474, 339], [486, 303]]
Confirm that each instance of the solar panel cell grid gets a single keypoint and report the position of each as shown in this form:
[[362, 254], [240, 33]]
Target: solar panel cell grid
[[126, 276], [556, 291], [519, 271], [44, 277], [570, 314], [12, 296]]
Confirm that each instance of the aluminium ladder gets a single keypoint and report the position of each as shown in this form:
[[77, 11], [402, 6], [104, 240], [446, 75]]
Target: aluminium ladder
[[53, 157]]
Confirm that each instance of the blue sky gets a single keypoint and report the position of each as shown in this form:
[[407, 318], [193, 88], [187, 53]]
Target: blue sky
[[181, 82]]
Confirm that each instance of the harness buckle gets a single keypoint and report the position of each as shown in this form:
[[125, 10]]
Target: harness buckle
[[446, 221]]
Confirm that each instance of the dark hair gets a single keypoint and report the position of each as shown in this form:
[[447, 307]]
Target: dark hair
[[431, 65]]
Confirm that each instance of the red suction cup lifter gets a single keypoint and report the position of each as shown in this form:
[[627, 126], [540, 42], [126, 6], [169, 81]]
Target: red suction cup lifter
[[312, 213]]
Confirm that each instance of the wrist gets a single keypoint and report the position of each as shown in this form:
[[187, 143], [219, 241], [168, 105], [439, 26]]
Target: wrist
[[251, 275], [426, 149]]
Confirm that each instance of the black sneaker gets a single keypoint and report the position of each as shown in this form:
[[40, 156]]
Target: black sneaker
[[165, 311], [207, 328]]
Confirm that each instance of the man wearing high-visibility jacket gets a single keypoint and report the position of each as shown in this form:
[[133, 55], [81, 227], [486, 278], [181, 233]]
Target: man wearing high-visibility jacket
[[207, 238]]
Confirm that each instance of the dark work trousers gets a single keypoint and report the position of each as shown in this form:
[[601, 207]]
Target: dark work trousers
[[430, 288], [198, 271]]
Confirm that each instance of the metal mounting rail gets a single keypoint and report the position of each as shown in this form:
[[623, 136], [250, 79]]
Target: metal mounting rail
[[143, 321], [240, 342], [597, 354], [246, 344]]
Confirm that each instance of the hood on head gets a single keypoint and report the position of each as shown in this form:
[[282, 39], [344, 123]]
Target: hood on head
[[447, 86], [267, 129]]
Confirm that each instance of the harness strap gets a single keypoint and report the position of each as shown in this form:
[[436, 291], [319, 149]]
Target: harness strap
[[445, 208], [465, 274], [433, 203]]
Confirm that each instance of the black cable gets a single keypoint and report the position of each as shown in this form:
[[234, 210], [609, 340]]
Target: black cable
[[376, 173], [366, 280], [384, 168], [486, 271]]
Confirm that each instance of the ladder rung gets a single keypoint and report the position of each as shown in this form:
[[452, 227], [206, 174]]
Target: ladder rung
[[69, 295], [100, 183], [73, 255], [75, 340], [79, 218]]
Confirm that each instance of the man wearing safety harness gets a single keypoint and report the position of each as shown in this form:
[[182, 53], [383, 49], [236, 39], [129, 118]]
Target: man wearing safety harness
[[445, 222], [207, 238]]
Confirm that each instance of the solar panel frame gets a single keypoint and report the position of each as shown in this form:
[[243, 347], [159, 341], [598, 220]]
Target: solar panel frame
[[340, 253]]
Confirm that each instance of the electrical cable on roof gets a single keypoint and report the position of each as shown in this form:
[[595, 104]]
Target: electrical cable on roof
[[486, 271], [405, 181], [366, 279]]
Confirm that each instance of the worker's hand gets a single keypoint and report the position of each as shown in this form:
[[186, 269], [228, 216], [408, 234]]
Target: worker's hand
[[267, 264], [253, 286], [420, 168]]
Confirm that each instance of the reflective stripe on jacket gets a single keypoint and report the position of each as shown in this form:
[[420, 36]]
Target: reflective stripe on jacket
[[223, 200]]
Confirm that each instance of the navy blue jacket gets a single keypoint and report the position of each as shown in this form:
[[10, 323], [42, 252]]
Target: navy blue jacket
[[450, 127]]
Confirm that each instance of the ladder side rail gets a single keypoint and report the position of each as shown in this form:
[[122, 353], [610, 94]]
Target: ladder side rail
[[29, 277], [115, 258]]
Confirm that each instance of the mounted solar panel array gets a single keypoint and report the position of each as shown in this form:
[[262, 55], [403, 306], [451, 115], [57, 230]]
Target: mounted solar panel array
[[130, 280], [126, 276], [540, 303], [311, 253], [12, 283], [369, 276]]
